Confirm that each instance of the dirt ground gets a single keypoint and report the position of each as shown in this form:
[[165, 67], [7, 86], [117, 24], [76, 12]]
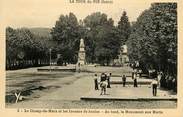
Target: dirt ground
[[64, 89]]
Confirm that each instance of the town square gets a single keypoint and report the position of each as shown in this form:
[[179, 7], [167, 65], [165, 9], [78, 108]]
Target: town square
[[95, 60]]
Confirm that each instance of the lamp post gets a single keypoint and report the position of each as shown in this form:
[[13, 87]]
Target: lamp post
[[50, 58]]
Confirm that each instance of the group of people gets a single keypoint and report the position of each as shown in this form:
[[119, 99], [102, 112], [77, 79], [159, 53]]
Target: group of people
[[158, 80], [104, 82], [168, 81], [134, 77], [154, 84]]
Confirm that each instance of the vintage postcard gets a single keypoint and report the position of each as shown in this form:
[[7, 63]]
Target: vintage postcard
[[91, 58]]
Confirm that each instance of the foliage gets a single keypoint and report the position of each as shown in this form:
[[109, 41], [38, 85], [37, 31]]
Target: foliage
[[23, 46], [66, 35], [102, 44], [124, 28], [154, 38], [98, 32]]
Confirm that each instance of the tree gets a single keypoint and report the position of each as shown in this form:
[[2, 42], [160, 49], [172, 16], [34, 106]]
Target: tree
[[102, 44], [10, 48], [124, 28], [24, 49], [66, 34], [154, 38], [108, 45]]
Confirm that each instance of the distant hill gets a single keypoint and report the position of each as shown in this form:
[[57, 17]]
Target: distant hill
[[45, 32]]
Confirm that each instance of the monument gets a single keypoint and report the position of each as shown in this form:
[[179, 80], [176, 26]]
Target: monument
[[81, 54], [122, 57]]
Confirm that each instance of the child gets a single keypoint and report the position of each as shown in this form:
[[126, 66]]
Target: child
[[103, 85]]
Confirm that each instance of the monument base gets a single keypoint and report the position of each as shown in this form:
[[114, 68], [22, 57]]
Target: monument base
[[80, 67]]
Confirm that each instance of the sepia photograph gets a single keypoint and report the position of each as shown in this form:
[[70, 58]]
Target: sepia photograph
[[91, 54]]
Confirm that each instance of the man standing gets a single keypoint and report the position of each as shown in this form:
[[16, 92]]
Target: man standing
[[140, 73], [159, 79], [124, 80], [154, 85], [96, 82], [135, 80], [108, 80]]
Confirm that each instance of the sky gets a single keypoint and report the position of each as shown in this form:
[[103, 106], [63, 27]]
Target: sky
[[44, 13]]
